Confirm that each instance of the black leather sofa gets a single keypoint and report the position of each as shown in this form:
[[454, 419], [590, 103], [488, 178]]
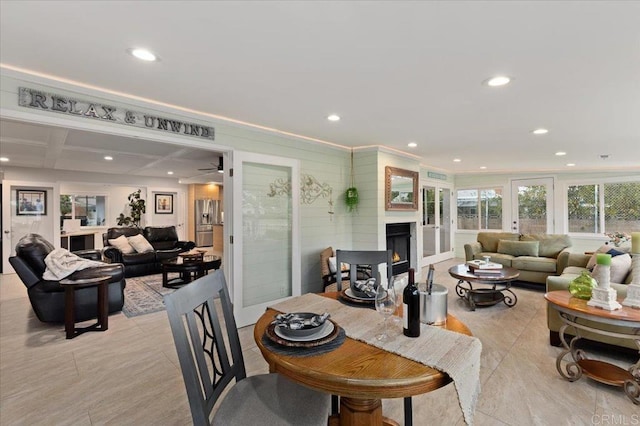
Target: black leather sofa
[[47, 297], [163, 239]]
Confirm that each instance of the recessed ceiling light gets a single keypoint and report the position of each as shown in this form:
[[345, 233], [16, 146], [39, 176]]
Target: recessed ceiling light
[[333, 117], [169, 172], [499, 80], [483, 167], [571, 164], [412, 144], [561, 153], [456, 160], [108, 157], [4, 159], [143, 54], [540, 131]]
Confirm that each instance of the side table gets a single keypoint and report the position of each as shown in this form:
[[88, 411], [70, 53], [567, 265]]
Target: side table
[[70, 287], [573, 312]]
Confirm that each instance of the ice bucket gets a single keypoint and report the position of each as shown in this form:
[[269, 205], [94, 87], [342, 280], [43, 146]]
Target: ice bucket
[[433, 307]]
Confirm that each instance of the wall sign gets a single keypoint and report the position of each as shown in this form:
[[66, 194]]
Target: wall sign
[[36, 99], [435, 175]]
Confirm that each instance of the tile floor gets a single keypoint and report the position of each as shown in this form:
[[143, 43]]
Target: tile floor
[[130, 375]]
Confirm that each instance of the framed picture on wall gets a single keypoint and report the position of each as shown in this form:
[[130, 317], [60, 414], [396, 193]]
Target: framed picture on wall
[[164, 203], [31, 202]]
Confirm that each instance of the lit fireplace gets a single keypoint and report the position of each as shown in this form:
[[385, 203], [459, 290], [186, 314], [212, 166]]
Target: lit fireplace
[[399, 242]]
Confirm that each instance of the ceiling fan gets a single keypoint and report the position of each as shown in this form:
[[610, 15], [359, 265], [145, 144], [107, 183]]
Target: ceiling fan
[[219, 167]]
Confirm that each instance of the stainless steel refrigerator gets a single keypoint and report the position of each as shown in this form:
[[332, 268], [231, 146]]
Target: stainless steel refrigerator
[[208, 213]]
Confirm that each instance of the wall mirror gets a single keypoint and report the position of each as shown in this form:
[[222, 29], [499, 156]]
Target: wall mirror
[[401, 189]]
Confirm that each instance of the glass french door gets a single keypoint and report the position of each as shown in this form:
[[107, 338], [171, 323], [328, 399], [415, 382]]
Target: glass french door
[[436, 224], [532, 201], [265, 240]]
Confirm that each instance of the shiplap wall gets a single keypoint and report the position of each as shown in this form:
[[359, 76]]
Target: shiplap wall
[[328, 164]]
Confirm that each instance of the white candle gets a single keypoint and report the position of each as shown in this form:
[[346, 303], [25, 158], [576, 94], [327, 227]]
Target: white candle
[[635, 242]]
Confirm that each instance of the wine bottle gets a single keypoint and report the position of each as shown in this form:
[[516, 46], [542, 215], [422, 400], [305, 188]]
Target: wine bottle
[[411, 307]]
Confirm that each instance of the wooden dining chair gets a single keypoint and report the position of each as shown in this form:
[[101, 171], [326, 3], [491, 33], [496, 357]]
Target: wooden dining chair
[[202, 323]]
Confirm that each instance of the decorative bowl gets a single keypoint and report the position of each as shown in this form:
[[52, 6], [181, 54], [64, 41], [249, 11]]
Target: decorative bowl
[[302, 320]]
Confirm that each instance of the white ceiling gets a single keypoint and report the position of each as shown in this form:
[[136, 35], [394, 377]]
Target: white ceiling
[[395, 71], [31, 145]]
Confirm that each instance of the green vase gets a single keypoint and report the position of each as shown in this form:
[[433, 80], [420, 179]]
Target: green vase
[[581, 287]]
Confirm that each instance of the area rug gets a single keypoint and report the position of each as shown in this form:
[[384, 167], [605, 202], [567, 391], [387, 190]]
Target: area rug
[[144, 295]]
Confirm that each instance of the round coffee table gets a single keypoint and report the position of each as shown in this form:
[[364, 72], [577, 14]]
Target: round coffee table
[[188, 270], [499, 283]]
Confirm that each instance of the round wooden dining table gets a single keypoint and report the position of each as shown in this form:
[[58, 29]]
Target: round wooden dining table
[[359, 373]]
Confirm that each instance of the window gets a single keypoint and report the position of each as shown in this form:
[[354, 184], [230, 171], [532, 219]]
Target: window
[[89, 209], [604, 207], [479, 208], [583, 205]]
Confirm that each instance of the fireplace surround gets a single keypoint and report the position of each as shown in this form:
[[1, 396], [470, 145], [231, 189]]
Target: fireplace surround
[[399, 242]]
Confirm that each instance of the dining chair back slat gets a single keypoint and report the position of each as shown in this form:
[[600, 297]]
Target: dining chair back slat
[[206, 338], [374, 259]]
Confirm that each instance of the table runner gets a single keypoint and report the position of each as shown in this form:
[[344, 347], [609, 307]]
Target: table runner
[[455, 354]]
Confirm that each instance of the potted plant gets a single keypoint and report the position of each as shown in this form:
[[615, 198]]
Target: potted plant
[[351, 196], [138, 208]]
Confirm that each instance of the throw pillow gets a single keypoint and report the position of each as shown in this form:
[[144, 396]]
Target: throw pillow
[[122, 244], [614, 252], [606, 248], [518, 248], [140, 244], [550, 244], [489, 240], [620, 267]]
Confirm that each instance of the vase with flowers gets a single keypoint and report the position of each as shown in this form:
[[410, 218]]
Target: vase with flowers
[[617, 238]]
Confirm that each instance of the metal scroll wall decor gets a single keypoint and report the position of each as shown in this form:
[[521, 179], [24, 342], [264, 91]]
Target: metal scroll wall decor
[[310, 190], [280, 186]]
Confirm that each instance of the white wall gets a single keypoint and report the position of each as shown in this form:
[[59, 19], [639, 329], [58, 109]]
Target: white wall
[[115, 187], [581, 243]]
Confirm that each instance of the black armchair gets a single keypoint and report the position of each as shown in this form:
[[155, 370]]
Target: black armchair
[[164, 241], [47, 297]]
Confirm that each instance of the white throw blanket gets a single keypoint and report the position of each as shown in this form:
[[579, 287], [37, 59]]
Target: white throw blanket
[[456, 354], [61, 263]]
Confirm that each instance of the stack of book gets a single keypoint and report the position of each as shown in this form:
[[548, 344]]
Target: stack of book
[[480, 267]]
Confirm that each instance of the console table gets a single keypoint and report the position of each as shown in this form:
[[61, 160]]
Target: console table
[[573, 312], [78, 240]]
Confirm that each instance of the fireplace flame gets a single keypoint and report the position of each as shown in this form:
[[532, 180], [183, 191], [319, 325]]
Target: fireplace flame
[[396, 257]]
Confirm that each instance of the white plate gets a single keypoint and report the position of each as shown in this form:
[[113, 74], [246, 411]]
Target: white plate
[[324, 331], [349, 293]]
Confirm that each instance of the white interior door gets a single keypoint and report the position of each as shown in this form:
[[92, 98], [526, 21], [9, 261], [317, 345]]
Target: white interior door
[[20, 216], [436, 224], [532, 203], [266, 242]]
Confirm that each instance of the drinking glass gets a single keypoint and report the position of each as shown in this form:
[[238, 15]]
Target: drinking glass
[[386, 306], [398, 285]]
